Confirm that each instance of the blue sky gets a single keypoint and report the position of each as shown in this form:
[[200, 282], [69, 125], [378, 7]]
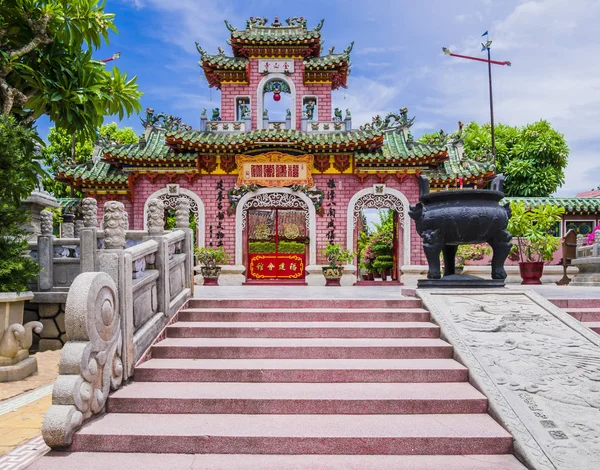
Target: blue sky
[[396, 61]]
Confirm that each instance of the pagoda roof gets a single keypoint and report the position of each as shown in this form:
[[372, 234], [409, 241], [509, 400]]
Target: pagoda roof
[[259, 138], [293, 39], [572, 205], [397, 150], [95, 176], [219, 68], [456, 167], [154, 152], [332, 68]]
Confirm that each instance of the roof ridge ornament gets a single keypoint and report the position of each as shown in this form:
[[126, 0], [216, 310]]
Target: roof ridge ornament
[[390, 121], [230, 27], [349, 48], [169, 122], [319, 26], [296, 21], [200, 50], [256, 21]]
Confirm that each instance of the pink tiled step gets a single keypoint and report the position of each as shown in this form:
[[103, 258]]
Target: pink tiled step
[[301, 370], [593, 325], [303, 348], [303, 315], [303, 330], [585, 314], [292, 398], [104, 460], [576, 303], [437, 434], [303, 303]]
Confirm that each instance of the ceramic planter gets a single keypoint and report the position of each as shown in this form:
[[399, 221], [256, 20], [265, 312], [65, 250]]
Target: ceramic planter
[[531, 272], [210, 275], [332, 275]]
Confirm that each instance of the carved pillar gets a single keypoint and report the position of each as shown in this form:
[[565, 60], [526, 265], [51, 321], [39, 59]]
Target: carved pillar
[[78, 227], [114, 225], [45, 251], [182, 215], [68, 226], [183, 223], [89, 236], [156, 217]]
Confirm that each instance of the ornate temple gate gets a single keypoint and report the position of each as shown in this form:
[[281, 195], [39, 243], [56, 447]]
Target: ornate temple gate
[[277, 242]]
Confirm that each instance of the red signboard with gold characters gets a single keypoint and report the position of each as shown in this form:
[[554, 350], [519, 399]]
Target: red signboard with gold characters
[[273, 266], [274, 169]]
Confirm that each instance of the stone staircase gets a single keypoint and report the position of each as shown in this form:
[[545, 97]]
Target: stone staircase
[[299, 384], [587, 311]]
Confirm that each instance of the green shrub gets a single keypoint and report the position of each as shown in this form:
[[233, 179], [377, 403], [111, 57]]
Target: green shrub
[[211, 257], [294, 248], [261, 247], [383, 263]]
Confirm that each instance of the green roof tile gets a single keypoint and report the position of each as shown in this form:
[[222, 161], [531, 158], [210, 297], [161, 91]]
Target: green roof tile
[[574, 205]]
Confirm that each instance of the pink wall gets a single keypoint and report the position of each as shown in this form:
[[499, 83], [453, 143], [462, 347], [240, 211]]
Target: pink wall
[[204, 187], [230, 92]]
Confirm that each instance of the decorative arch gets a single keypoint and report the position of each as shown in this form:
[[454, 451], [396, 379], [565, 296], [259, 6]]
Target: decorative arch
[[260, 97], [279, 197], [379, 197], [169, 196]]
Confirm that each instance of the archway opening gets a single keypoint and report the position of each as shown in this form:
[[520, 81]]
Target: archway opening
[[277, 110], [377, 244]]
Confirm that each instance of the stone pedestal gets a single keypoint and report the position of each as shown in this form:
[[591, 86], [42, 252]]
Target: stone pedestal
[[36, 203], [589, 272]]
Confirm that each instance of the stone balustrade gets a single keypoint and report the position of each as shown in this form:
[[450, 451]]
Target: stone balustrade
[[115, 311], [326, 126], [587, 261], [227, 126]]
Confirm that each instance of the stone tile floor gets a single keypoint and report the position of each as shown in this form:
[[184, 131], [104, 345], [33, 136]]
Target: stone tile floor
[[47, 373]]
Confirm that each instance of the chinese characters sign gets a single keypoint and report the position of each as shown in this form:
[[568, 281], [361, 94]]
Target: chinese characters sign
[[275, 66], [276, 266], [274, 169]]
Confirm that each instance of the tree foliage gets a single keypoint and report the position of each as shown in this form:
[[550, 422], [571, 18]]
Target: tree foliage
[[59, 149], [46, 65], [18, 177], [533, 157]]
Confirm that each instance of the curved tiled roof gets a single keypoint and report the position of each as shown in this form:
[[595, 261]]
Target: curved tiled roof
[[397, 150], [98, 174], [573, 205]]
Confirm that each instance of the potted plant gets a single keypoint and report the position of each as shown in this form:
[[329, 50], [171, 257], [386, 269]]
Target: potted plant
[[383, 264], [535, 242], [210, 259], [336, 256]]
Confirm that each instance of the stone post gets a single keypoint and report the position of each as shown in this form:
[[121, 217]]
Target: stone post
[[596, 248], [304, 122], [89, 235], [348, 121], [156, 230], [265, 119], [45, 251], [78, 227], [288, 120], [68, 226], [203, 120], [116, 262], [183, 223]]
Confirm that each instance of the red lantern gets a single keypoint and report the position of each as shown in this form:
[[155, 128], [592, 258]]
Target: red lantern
[[276, 96]]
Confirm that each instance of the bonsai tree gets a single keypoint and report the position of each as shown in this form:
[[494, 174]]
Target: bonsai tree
[[533, 230], [337, 256], [211, 257], [383, 264]]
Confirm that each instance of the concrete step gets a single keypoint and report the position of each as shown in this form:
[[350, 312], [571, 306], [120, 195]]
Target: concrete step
[[592, 325], [301, 370], [104, 460], [428, 434], [585, 314], [292, 398], [303, 315], [303, 330], [407, 302], [576, 303], [301, 348]]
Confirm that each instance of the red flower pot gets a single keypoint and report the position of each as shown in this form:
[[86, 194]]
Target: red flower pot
[[531, 272]]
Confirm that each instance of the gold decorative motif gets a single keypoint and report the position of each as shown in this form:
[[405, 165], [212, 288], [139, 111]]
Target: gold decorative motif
[[275, 169], [291, 231]]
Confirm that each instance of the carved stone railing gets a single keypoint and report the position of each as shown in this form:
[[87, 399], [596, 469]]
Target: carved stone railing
[[227, 126], [326, 126], [278, 125], [114, 313], [592, 249]]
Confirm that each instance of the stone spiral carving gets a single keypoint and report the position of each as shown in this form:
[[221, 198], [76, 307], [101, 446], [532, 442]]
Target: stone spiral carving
[[18, 337], [90, 362], [156, 216], [89, 207], [182, 215], [114, 225], [46, 225]]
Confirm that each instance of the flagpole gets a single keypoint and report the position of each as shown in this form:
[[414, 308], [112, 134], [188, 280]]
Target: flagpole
[[491, 107]]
